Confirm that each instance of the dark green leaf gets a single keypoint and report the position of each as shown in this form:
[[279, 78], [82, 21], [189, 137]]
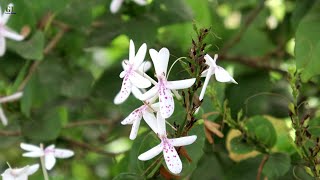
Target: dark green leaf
[[239, 146], [31, 49], [307, 49], [261, 129], [47, 125], [278, 164], [128, 176]]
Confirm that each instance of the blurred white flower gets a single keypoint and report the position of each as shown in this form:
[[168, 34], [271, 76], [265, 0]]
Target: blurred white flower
[[19, 173], [233, 20], [50, 153], [163, 87], [5, 99], [6, 32], [170, 154], [130, 74], [220, 73], [116, 4]]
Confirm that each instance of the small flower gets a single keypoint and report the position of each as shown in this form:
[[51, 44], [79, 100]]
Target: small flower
[[145, 111], [19, 173], [3, 117], [130, 74], [6, 32], [5, 99], [221, 74], [116, 4], [170, 154], [163, 87], [50, 153]]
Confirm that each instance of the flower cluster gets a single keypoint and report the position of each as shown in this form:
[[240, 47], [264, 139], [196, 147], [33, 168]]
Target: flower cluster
[[154, 113], [48, 154]]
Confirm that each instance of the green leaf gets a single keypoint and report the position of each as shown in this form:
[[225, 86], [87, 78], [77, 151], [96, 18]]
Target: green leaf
[[260, 128], [307, 49], [43, 126], [302, 8], [277, 165], [128, 176], [239, 146], [194, 150], [31, 49], [314, 127]]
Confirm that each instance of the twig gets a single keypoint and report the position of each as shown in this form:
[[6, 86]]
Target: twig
[[254, 62], [263, 162], [250, 18], [44, 170], [87, 146], [10, 133], [90, 122], [11, 98], [69, 125]]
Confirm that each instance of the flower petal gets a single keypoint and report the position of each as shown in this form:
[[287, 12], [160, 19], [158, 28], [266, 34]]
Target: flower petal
[[166, 102], [32, 169], [33, 154], [181, 84], [12, 35], [172, 158], [2, 46], [115, 5], [29, 147], [205, 84], [49, 161], [160, 60], [151, 120], [140, 2], [136, 92], [155, 106], [145, 66], [150, 153], [209, 61], [183, 141], [132, 52], [3, 117], [134, 129], [124, 92], [138, 80], [134, 116], [63, 153], [161, 125], [149, 94], [5, 17], [141, 54], [223, 76]]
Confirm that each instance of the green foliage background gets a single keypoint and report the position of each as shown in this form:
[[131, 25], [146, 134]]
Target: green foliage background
[[76, 80]]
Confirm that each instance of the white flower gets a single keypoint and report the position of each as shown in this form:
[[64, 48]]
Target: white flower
[[19, 173], [5, 99], [6, 32], [170, 154], [130, 74], [221, 74], [50, 153], [3, 117], [163, 87], [134, 118], [116, 4]]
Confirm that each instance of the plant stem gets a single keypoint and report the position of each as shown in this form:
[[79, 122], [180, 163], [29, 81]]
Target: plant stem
[[44, 171]]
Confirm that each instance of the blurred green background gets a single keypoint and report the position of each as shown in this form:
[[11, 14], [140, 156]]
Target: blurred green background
[[68, 100]]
